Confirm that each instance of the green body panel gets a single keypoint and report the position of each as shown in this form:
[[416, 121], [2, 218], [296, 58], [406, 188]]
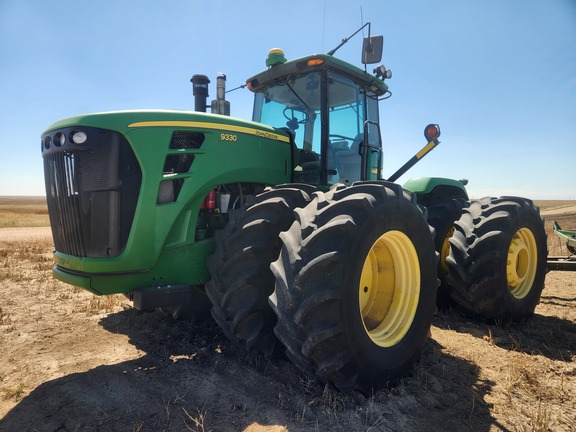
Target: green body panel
[[436, 187], [184, 265], [161, 248]]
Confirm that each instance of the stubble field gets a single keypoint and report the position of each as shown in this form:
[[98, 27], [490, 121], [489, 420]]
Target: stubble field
[[70, 361]]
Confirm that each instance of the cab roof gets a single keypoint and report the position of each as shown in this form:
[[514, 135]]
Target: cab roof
[[312, 63]]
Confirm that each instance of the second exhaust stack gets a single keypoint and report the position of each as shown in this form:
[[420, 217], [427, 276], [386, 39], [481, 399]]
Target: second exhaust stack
[[220, 105]]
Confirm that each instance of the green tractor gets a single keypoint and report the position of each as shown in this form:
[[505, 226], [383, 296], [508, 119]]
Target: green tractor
[[284, 227]]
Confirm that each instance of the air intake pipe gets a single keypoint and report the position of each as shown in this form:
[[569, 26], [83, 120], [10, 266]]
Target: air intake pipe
[[200, 91]]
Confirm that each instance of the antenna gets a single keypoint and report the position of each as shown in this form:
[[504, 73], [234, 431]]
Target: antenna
[[330, 53], [362, 22], [324, 26]]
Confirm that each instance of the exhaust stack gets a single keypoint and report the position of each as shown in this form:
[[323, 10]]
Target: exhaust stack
[[220, 105]]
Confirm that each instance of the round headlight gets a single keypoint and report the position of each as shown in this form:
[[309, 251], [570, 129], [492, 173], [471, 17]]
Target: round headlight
[[47, 142], [79, 137], [59, 139]]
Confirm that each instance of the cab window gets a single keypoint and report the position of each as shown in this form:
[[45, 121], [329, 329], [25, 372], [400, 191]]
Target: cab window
[[295, 104], [346, 122]]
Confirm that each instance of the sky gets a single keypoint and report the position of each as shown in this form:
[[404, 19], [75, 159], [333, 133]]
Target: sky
[[498, 76]]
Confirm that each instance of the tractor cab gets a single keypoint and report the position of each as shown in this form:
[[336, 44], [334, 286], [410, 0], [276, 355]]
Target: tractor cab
[[330, 110]]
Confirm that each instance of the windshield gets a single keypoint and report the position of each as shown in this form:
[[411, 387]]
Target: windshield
[[296, 104]]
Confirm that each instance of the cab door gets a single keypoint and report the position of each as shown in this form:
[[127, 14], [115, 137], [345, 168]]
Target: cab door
[[353, 137]]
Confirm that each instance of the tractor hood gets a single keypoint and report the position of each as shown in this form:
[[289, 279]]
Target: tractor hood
[[126, 121]]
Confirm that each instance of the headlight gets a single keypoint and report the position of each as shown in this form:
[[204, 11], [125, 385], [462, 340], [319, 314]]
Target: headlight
[[59, 139], [79, 137]]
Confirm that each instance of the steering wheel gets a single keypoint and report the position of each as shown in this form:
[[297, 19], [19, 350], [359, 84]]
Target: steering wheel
[[293, 121]]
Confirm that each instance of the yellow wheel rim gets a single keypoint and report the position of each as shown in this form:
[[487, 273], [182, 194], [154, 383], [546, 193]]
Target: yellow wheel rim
[[521, 263], [389, 288], [446, 251]]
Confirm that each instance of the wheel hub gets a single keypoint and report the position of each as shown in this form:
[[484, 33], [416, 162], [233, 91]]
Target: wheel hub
[[389, 288], [446, 251], [521, 263]]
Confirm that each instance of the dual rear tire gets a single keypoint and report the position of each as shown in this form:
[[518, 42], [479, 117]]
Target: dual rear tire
[[352, 284], [497, 261], [345, 281]]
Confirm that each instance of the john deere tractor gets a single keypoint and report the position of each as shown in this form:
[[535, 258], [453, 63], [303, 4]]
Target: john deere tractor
[[284, 226]]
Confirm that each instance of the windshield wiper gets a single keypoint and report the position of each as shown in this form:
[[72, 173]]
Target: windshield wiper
[[297, 95]]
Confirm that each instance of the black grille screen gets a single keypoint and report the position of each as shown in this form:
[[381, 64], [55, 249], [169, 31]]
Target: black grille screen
[[92, 191], [178, 164], [186, 140]]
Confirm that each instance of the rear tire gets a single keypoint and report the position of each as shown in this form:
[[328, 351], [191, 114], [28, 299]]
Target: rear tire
[[240, 268], [498, 259], [356, 285], [442, 214]]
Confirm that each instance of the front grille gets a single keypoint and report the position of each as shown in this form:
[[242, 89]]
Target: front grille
[[92, 190]]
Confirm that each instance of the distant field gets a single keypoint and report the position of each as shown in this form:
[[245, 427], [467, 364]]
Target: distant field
[[554, 204], [16, 212]]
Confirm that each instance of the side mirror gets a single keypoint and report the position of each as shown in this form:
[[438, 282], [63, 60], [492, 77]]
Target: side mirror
[[372, 49]]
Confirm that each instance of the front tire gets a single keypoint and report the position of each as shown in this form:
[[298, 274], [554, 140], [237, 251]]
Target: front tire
[[356, 286], [498, 259], [240, 268]]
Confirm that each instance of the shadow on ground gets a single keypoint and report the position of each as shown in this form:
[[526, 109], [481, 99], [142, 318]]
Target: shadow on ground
[[190, 377], [541, 335]]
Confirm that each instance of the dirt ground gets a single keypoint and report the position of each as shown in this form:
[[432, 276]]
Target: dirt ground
[[70, 361]]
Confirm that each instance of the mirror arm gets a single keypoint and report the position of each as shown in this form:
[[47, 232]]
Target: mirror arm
[[332, 52]]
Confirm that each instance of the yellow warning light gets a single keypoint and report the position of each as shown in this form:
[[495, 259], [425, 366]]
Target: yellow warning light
[[315, 62]]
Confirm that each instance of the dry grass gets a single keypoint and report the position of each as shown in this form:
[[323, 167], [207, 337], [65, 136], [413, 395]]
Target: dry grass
[[554, 204], [105, 304], [32, 261], [23, 212], [4, 317], [36, 254], [196, 422], [15, 393]]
